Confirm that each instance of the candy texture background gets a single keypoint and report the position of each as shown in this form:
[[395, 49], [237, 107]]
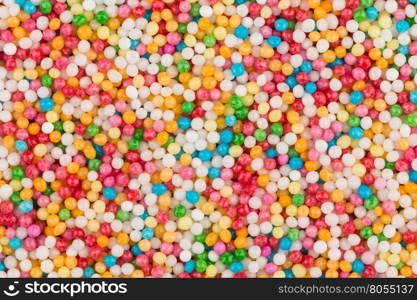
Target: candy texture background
[[208, 138]]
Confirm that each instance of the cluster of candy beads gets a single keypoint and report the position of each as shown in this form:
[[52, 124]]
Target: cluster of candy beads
[[208, 138]]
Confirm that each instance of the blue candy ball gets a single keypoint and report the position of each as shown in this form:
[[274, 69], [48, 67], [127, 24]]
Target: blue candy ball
[[205, 155], [241, 32], [147, 15], [372, 13], [296, 163], [192, 197], [88, 272], [46, 104], [291, 81], [29, 7], [237, 69], [413, 176], [358, 266], [189, 266], [274, 41], [281, 24], [181, 46], [184, 123], [25, 206], [230, 120], [134, 44], [356, 97], [271, 153], [109, 260], [21, 145], [285, 243], [288, 273], [226, 136], [135, 250], [99, 150], [109, 193], [236, 267], [356, 133], [403, 49], [364, 191], [306, 67], [413, 97], [15, 243], [402, 25], [21, 3], [310, 87], [214, 172], [144, 215], [147, 233], [159, 189], [222, 149]]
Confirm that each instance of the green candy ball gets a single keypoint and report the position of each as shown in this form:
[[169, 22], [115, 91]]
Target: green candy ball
[[200, 237], [46, 80], [240, 254], [187, 107], [236, 102], [59, 126], [64, 214], [18, 173], [102, 17], [201, 265], [366, 3], [15, 198], [180, 211], [396, 110], [359, 15], [411, 120], [182, 28], [238, 138], [49, 191], [138, 135], [260, 135], [354, 121], [209, 40], [294, 234], [45, 7], [277, 129], [242, 113], [123, 215], [94, 164], [92, 130], [195, 10], [226, 258], [133, 144], [292, 152], [79, 20], [298, 199], [366, 232], [183, 66], [371, 203]]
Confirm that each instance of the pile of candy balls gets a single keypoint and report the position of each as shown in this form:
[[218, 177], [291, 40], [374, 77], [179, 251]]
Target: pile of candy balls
[[208, 138]]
